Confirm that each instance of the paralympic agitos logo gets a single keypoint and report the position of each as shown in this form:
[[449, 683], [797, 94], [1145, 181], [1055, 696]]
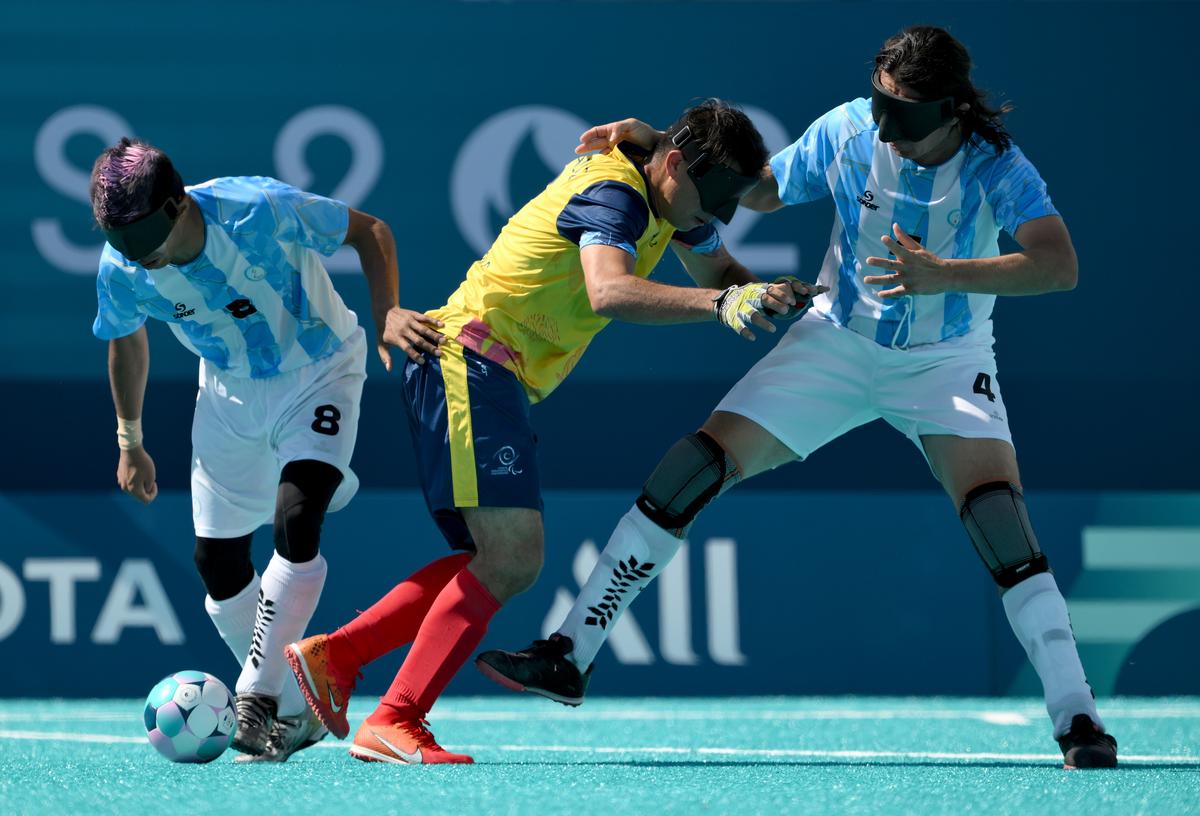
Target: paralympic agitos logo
[[481, 182]]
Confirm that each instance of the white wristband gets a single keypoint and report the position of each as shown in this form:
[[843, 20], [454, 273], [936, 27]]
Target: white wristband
[[129, 433]]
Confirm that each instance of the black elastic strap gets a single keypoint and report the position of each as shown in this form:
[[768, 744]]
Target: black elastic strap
[[692, 473], [998, 524], [306, 487], [224, 565]]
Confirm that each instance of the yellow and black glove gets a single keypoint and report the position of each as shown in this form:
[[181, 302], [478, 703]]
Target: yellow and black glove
[[736, 305]]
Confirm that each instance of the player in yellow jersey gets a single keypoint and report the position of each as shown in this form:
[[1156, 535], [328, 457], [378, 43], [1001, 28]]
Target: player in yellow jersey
[[575, 257]]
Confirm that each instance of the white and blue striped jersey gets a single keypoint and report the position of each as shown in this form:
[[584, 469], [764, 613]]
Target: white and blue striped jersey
[[257, 301], [956, 209]]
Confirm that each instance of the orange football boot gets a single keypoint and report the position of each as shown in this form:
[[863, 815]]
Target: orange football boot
[[326, 689], [408, 743]]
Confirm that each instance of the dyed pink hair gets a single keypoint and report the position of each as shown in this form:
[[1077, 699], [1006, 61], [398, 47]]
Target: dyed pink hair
[[126, 180]]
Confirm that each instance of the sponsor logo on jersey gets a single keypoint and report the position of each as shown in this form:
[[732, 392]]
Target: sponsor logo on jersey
[[866, 200]]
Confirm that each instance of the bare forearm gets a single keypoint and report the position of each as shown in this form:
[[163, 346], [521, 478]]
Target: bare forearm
[[128, 368], [763, 196], [377, 254], [1018, 273], [735, 275], [636, 300]]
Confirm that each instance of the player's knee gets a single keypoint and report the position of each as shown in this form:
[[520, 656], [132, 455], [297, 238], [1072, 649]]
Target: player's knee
[[524, 578], [515, 565], [224, 565], [998, 524], [305, 489], [694, 472], [523, 565]]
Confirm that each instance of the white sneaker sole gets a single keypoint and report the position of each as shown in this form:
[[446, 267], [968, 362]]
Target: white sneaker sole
[[367, 755]]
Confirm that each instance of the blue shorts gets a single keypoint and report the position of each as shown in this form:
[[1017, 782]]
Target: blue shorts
[[469, 419]]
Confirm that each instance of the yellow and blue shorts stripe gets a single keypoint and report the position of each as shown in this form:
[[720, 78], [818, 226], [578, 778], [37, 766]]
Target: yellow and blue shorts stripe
[[469, 419]]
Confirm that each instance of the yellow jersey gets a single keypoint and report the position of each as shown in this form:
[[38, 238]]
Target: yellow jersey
[[524, 304]]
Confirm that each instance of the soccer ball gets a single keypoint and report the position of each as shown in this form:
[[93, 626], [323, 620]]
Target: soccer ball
[[190, 717]]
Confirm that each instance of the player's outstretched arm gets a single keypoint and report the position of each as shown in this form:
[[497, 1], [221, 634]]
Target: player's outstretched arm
[[786, 297], [412, 332], [616, 292], [718, 269], [763, 196], [128, 369]]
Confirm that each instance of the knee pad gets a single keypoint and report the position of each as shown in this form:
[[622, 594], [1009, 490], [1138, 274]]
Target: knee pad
[[694, 472], [224, 565], [305, 489], [998, 523]]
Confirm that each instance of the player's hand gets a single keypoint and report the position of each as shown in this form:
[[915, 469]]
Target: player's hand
[[740, 307], [413, 333], [789, 297], [604, 137], [915, 270], [135, 475]]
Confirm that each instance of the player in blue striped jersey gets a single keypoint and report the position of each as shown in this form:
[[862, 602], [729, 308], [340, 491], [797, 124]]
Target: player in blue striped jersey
[[923, 178], [233, 267]]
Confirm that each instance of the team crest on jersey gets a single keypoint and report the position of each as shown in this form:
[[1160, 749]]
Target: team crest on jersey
[[256, 273]]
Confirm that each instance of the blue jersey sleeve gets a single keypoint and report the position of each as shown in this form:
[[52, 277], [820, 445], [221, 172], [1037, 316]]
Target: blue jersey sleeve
[[703, 240], [118, 314], [1016, 192], [800, 168], [609, 212], [307, 219]]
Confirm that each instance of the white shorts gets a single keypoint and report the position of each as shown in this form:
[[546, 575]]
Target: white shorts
[[822, 380], [245, 431]]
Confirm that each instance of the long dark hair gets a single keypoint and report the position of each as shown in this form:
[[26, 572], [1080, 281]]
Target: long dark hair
[[934, 64]]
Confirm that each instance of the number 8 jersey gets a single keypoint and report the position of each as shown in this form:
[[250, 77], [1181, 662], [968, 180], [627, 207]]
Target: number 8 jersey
[[257, 301]]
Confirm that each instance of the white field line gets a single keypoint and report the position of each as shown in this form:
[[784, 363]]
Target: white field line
[[807, 753], [798, 753], [733, 713], [994, 717], [65, 736], [62, 716], [631, 715]]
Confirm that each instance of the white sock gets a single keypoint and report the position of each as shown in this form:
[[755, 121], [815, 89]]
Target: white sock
[[637, 551], [234, 619], [287, 599], [1038, 615]]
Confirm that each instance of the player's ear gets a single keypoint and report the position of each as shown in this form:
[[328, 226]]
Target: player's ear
[[674, 162]]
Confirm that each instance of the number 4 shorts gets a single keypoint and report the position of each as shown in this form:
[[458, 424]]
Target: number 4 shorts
[[823, 380]]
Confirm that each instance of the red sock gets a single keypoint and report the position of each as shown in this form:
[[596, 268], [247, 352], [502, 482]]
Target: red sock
[[451, 631], [395, 618]]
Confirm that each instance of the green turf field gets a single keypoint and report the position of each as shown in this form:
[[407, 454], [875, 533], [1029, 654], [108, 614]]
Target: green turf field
[[619, 756]]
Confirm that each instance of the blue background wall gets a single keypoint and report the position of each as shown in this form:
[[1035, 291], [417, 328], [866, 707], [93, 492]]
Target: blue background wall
[[442, 118]]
